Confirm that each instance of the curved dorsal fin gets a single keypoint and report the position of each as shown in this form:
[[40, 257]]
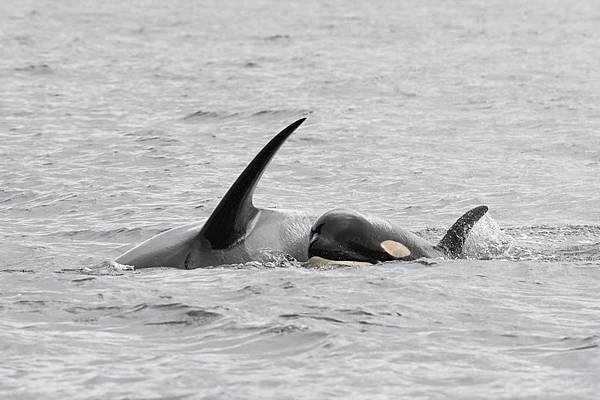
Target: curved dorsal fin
[[230, 219], [452, 243]]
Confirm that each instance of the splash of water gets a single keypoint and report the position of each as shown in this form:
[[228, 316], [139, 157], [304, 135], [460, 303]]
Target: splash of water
[[487, 240]]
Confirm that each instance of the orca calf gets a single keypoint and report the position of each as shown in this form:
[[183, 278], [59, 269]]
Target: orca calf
[[238, 232], [347, 237]]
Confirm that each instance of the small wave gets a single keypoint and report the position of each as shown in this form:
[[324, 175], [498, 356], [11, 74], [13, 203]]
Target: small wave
[[222, 115], [358, 312], [284, 329], [565, 344], [284, 112], [41, 69], [18, 271], [151, 137], [192, 316], [207, 115], [275, 338], [169, 306], [93, 309], [312, 316], [23, 40], [106, 267], [31, 302], [83, 280], [277, 37], [274, 38], [251, 289], [156, 139], [176, 322]]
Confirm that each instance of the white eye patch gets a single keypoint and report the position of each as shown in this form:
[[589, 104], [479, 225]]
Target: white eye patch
[[395, 249]]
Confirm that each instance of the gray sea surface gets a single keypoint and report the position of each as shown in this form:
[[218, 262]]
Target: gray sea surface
[[120, 119]]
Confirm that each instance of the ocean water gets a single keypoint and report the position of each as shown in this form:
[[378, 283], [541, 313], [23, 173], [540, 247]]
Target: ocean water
[[121, 119]]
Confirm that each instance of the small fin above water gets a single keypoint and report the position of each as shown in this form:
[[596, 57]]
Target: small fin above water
[[452, 243], [230, 219]]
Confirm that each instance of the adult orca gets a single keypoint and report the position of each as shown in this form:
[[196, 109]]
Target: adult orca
[[238, 232], [348, 237]]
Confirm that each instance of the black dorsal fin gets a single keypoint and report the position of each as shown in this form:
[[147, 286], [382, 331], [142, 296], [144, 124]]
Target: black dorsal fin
[[453, 241], [230, 219]]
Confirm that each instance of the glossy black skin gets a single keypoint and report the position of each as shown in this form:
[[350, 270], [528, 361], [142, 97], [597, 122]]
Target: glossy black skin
[[347, 235], [236, 231]]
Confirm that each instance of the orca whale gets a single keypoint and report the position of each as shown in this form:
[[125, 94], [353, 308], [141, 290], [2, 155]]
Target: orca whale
[[238, 232], [348, 237]]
